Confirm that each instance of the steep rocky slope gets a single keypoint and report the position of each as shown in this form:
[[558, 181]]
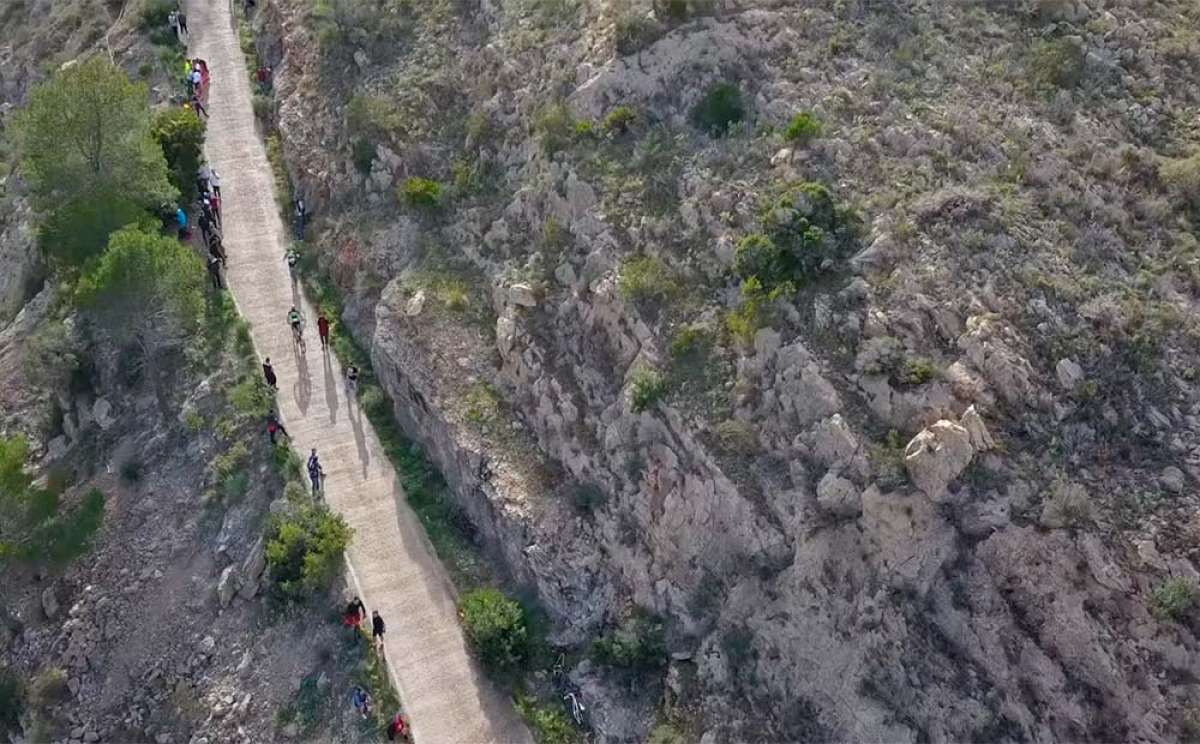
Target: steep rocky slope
[[931, 490]]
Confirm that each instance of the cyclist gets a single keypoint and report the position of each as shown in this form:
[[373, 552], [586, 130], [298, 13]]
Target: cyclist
[[295, 321], [292, 256], [352, 378]]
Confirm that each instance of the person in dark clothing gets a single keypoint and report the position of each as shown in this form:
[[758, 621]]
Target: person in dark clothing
[[275, 426], [269, 374], [215, 248], [206, 225], [377, 630], [301, 213], [315, 472], [355, 613], [183, 22], [323, 330], [195, 101], [214, 270], [206, 208]]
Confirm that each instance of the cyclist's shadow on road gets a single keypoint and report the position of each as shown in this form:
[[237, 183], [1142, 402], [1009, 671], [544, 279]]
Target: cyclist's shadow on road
[[356, 425], [330, 386], [303, 387]]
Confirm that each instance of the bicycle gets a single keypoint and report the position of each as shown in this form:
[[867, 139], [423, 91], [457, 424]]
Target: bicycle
[[570, 694], [292, 258], [576, 709], [298, 337]]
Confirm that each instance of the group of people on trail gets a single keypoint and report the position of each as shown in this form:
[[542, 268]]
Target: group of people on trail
[[295, 321], [353, 618], [208, 186], [195, 79], [177, 21]]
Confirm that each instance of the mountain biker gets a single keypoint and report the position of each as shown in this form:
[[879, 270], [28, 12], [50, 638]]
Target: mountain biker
[[315, 472], [294, 320], [352, 378], [377, 630], [292, 256]]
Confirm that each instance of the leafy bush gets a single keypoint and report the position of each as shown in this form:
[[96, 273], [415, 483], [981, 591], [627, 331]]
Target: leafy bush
[[619, 120], [646, 278], [304, 550], [49, 687], [584, 130], [147, 290], [90, 179], [231, 460], [690, 342], [496, 627], [1056, 63], [719, 109], [803, 128], [131, 471], [736, 437], [32, 526], [646, 389], [915, 371], [374, 118], [1174, 598], [555, 127], [12, 700], [154, 13], [1182, 177], [251, 398], [549, 725], [805, 231], [180, 133], [588, 497], [635, 32], [665, 733], [421, 192], [362, 154], [676, 10], [744, 321], [636, 644]]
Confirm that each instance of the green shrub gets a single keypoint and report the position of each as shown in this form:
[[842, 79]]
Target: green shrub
[[12, 701], [647, 387], [915, 371], [676, 10], [643, 279], [805, 231], [719, 109], [362, 154], [231, 460], [555, 127], [154, 13], [636, 644], [304, 550], [743, 322], [374, 118], [588, 497], [33, 526], [1182, 177], [421, 192], [48, 687], [482, 404], [549, 725], [736, 437], [1174, 598], [180, 134], [1056, 63], [690, 342], [619, 120], [635, 32], [665, 733], [496, 628], [803, 128], [584, 130], [131, 471], [251, 398]]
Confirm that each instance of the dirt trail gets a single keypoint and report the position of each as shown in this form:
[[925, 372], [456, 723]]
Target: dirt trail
[[391, 562]]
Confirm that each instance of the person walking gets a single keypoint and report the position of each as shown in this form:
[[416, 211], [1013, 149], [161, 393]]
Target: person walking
[[195, 102], [323, 330], [355, 613], [315, 472], [301, 213], [275, 426], [214, 271], [183, 29], [269, 374], [377, 630]]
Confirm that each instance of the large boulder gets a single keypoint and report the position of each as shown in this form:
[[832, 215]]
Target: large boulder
[[839, 496], [252, 570], [227, 585], [938, 455]]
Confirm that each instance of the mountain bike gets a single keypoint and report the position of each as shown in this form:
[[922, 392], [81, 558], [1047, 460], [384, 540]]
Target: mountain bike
[[571, 694]]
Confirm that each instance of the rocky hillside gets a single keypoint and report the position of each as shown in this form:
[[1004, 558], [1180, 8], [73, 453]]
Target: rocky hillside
[[857, 340]]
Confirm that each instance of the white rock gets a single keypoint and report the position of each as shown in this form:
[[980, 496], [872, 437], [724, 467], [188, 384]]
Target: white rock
[[49, 603], [1172, 479], [1069, 373], [839, 496], [977, 431], [938, 455], [522, 295], [781, 157], [102, 413], [415, 304], [227, 585]]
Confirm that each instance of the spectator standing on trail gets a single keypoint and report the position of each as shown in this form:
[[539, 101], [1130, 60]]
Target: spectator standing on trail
[[214, 270], [355, 613], [197, 81], [206, 206], [377, 630], [214, 181], [301, 213], [352, 379], [315, 472], [216, 249], [182, 221], [269, 374], [323, 330], [195, 102], [398, 728], [274, 426], [183, 29], [206, 226], [173, 23], [362, 701]]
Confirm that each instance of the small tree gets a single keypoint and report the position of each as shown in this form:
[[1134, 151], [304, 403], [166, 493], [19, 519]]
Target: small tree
[[89, 157], [304, 550], [496, 627], [32, 529], [719, 109], [180, 134], [146, 290]]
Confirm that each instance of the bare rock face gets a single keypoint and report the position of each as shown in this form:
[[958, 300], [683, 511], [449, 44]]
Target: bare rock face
[[227, 585], [937, 455], [50, 603], [839, 496], [977, 431]]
